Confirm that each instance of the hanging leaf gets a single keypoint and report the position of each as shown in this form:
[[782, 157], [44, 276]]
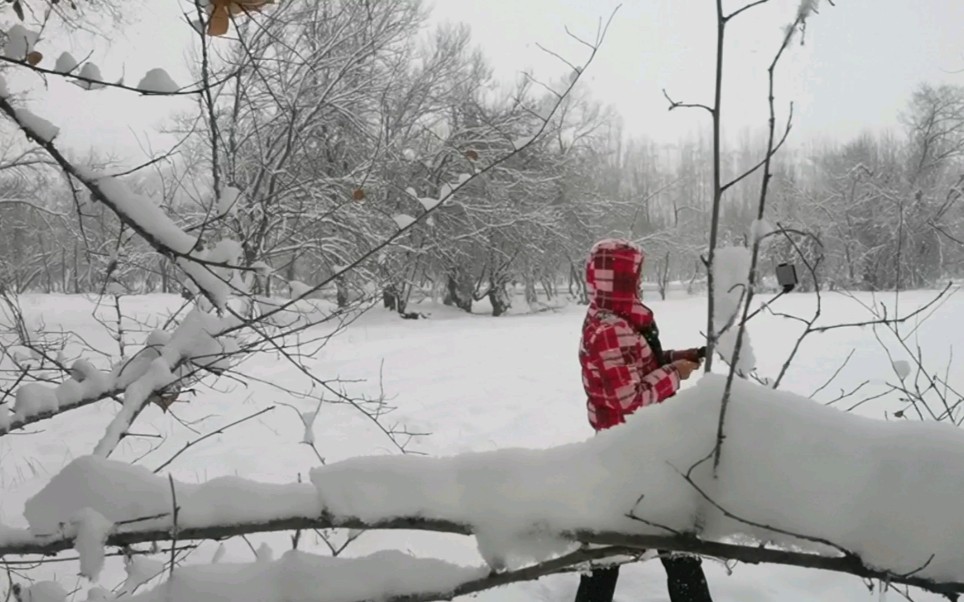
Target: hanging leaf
[[221, 11], [472, 155], [34, 58], [358, 194]]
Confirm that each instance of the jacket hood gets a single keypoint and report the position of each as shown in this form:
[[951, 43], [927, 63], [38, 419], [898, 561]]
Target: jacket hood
[[612, 277]]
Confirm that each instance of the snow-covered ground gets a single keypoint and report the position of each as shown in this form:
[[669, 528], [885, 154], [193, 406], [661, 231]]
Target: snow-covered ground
[[474, 383]]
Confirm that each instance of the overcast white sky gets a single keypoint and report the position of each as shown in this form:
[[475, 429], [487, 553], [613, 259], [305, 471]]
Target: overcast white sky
[[861, 61]]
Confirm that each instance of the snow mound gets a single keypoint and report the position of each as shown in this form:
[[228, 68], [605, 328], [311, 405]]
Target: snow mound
[[65, 63], [20, 42], [40, 126], [92, 531], [44, 591], [227, 200], [759, 229], [298, 289], [308, 577], [90, 71], [117, 491], [403, 221], [902, 368], [13, 536], [141, 570], [34, 398], [123, 493], [158, 81]]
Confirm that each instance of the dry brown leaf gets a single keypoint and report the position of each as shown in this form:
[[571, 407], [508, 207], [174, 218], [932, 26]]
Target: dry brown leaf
[[34, 58], [164, 399], [358, 194], [221, 11], [472, 155], [218, 22]]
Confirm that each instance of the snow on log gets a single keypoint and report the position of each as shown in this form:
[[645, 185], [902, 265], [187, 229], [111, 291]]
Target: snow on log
[[788, 463], [847, 490], [125, 494], [309, 577]]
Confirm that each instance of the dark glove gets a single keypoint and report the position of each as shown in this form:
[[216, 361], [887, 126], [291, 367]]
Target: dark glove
[[695, 354]]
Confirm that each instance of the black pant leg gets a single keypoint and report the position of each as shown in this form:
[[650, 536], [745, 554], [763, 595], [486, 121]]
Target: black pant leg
[[598, 586], [685, 578]]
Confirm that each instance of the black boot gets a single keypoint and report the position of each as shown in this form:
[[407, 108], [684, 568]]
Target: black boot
[[599, 586], [684, 578]]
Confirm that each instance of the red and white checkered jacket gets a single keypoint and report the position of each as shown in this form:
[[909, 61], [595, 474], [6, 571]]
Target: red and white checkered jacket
[[620, 372]]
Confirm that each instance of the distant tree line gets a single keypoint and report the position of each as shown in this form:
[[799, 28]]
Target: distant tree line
[[341, 119]]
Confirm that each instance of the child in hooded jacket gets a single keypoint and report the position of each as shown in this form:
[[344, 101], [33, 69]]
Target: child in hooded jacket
[[624, 368]]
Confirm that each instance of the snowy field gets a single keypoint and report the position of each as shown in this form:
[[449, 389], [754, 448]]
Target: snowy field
[[474, 383]]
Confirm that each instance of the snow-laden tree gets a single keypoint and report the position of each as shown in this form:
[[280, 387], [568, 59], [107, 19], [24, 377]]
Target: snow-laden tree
[[831, 491]]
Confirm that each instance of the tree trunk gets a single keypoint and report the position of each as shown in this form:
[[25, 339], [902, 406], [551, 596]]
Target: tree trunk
[[458, 290], [390, 297], [395, 299], [580, 283], [341, 292], [499, 298], [531, 295], [664, 277]]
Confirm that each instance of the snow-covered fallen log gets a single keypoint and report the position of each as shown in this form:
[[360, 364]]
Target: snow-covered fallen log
[[793, 472], [818, 486]]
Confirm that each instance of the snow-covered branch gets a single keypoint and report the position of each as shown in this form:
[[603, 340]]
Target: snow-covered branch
[[149, 221], [831, 495], [164, 361]]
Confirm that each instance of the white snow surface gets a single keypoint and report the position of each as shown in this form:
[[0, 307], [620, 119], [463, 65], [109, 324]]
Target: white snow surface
[[91, 71], [448, 389], [157, 80], [731, 272], [902, 368], [99, 594], [298, 288], [40, 126], [265, 553], [403, 221], [45, 591], [759, 228], [20, 41], [92, 530], [309, 419], [311, 578], [34, 398], [65, 63], [228, 200], [141, 570]]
